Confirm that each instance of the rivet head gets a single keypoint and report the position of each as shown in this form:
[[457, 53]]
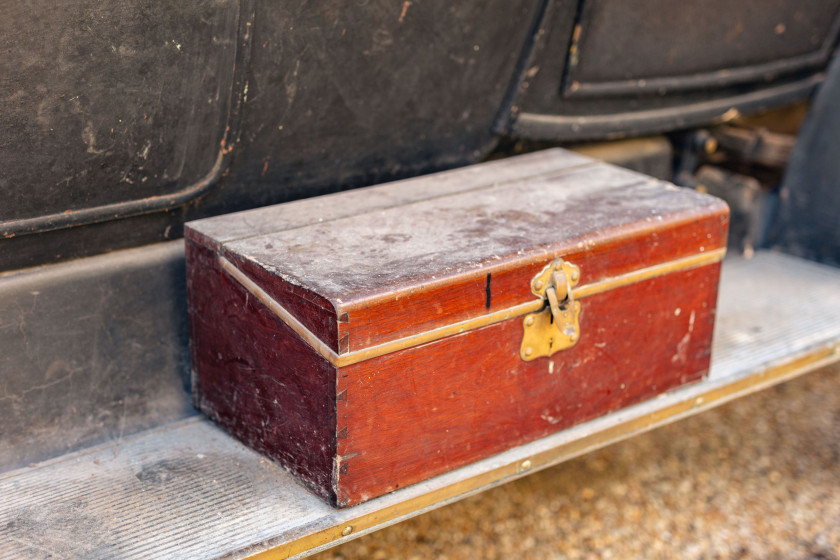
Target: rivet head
[[577, 305], [558, 266], [573, 337], [538, 285], [529, 351], [347, 530], [710, 146], [525, 465], [575, 275], [529, 321]]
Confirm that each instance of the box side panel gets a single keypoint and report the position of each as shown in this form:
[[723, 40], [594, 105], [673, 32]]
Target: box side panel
[[413, 414], [312, 310], [500, 286], [254, 377]]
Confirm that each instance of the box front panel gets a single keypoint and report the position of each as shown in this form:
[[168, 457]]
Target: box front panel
[[408, 416]]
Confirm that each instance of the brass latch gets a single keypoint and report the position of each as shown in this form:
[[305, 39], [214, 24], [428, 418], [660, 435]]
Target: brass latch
[[556, 327]]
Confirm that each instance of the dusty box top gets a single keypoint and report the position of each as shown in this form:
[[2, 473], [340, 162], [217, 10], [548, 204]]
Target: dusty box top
[[402, 247]]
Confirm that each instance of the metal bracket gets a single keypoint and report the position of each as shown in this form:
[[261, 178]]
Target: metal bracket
[[557, 326]]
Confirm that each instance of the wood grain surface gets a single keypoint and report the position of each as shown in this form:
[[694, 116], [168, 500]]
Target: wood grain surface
[[254, 377], [423, 411], [441, 253]]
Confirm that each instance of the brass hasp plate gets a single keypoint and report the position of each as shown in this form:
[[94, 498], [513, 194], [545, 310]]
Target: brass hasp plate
[[557, 326]]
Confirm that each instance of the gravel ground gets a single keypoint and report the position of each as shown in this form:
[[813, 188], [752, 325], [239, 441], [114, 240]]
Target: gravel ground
[[757, 478]]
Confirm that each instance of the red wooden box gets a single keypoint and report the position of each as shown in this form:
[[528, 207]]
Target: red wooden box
[[371, 339]]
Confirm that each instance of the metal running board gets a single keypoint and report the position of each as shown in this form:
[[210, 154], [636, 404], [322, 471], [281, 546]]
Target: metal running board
[[187, 490]]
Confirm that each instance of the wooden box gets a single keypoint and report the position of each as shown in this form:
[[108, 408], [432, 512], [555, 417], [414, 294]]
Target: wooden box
[[371, 339]]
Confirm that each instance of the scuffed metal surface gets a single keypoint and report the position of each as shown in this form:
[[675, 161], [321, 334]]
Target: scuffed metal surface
[[105, 102], [785, 303], [91, 351], [202, 496]]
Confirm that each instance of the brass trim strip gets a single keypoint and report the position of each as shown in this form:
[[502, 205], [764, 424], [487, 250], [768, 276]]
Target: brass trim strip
[[686, 263], [440, 332], [631, 425], [300, 329]]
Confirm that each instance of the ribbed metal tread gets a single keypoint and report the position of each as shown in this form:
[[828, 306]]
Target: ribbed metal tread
[[190, 491], [770, 308]]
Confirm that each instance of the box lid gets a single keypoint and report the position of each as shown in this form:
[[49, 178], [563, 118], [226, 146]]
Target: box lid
[[373, 270]]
